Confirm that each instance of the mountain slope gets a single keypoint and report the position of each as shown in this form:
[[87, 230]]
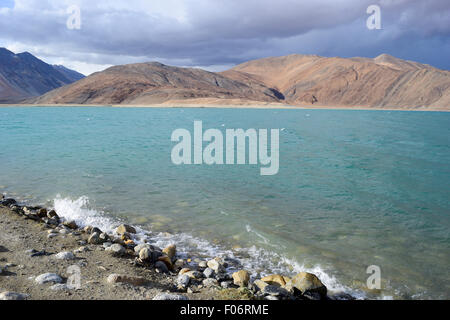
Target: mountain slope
[[303, 80], [149, 83], [381, 82], [23, 75]]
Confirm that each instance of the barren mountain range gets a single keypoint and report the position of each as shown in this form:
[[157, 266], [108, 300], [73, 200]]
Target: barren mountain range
[[303, 80], [381, 82], [23, 75]]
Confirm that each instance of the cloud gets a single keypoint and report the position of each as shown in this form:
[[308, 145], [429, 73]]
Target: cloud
[[218, 34]]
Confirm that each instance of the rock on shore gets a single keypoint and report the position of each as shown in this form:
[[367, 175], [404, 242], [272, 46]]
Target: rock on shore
[[116, 261]]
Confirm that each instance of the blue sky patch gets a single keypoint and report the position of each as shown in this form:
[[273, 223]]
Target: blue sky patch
[[6, 3]]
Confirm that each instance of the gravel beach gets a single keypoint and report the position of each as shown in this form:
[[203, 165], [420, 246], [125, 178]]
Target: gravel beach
[[43, 257]]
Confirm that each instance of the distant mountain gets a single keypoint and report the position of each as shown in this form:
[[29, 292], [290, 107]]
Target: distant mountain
[[69, 73], [385, 81], [302, 80], [23, 76], [150, 83]]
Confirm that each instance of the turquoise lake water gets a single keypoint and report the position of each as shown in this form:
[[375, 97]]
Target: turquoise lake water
[[355, 188]]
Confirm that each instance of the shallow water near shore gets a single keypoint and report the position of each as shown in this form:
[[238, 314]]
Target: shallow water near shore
[[355, 188]]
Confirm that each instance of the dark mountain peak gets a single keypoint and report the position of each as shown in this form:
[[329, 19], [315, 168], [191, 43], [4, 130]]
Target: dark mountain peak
[[25, 54], [23, 76], [5, 52]]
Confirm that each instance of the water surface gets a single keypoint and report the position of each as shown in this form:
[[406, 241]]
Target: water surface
[[355, 188]]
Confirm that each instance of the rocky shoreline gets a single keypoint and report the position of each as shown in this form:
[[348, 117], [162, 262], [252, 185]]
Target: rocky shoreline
[[43, 256]]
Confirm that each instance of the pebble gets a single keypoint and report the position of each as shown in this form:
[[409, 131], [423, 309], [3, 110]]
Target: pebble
[[168, 296], [183, 271], [71, 224], [8, 202], [161, 267], [124, 228], [275, 291], [95, 238], [145, 254], [210, 282], [34, 253], [151, 255], [260, 284], [106, 245], [7, 295], [48, 278], [183, 280], [194, 274], [241, 278], [209, 273], [170, 251], [103, 237], [52, 221], [139, 247], [226, 284], [87, 229], [95, 230], [116, 249], [42, 213], [222, 276], [65, 256], [216, 265], [81, 249], [167, 261], [52, 214]]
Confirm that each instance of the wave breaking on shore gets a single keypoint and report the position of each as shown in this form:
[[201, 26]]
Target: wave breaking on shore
[[258, 261]]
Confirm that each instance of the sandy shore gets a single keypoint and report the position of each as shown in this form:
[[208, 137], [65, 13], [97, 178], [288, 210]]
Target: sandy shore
[[44, 257], [220, 104], [19, 235]]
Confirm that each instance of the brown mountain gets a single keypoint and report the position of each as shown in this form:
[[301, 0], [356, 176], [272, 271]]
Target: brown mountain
[[152, 83], [295, 79], [381, 82]]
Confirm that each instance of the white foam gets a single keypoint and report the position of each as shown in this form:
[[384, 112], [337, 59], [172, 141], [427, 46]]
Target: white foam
[[258, 261], [79, 211]]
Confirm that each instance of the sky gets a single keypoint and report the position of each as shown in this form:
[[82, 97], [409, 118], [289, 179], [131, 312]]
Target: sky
[[218, 34]]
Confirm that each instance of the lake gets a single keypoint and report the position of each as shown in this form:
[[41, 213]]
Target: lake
[[354, 188]]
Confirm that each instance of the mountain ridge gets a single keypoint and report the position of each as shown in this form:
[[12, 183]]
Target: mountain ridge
[[298, 80], [384, 81], [153, 82], [23, 76]]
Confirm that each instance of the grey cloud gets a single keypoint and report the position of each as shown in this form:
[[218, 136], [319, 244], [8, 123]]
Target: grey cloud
[[228, 32]]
